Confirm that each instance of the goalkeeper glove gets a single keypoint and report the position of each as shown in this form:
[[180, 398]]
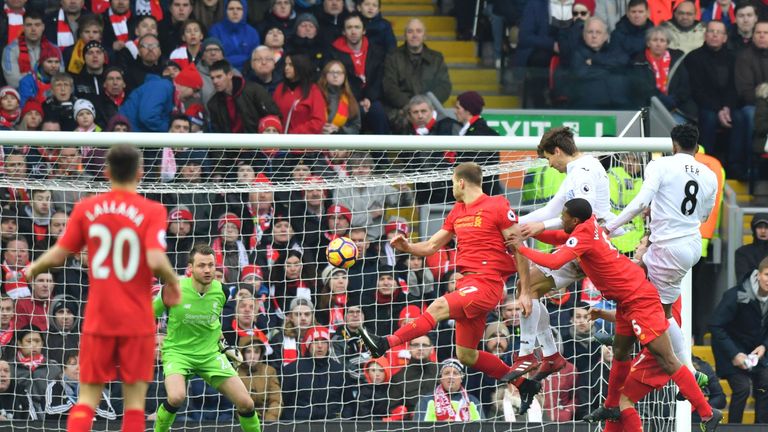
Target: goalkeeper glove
[[233, 354]]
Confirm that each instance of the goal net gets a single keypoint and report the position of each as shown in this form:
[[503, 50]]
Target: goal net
[[269, 215]]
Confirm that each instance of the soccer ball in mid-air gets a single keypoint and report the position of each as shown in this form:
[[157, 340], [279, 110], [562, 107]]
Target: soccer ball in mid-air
[[342, 252]]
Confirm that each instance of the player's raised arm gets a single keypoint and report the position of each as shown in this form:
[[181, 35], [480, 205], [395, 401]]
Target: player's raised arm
[[424, 248], [161, 267], [53, 257]]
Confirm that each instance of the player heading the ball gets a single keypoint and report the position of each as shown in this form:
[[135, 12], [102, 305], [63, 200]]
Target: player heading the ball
[[125, 236]]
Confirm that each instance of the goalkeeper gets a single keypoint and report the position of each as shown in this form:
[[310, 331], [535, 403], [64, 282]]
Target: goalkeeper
[[194, 345]]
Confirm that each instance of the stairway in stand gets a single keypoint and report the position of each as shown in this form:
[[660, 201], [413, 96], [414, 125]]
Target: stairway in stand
[[461, 56]]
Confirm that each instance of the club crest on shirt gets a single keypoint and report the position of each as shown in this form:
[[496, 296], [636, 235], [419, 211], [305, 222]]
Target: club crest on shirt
[[572, 242], [511, 216]]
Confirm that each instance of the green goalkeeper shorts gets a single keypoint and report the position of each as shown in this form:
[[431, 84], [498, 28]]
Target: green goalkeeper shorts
[[214, 369]]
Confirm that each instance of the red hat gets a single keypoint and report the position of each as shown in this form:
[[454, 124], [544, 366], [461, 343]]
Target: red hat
[[32, 105], [179, 214], [589, 4], [251, 269], [396, 225], [230, 218], [49, 51], [270, 121], [472, 101], [381, 361], [262, 178], [337, 209], [409, 312], [315, 333], [189, 77]]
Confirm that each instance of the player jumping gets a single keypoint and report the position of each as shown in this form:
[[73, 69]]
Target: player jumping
[[639, 315], [681, 193], [192, 344], [125, 237], [481, 223]]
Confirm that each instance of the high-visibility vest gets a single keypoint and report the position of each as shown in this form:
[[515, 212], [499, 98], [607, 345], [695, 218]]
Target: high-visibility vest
[[623, 189], [539, 186], [709, 228]]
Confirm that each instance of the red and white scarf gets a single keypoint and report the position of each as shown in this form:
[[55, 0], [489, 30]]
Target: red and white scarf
[[660, 68], [133, 47], [181, 56], [717, 13], [253, 332], [168, 165], [444, 408], [7, 336], [290, 350], [32, 362], [218, 250], [64, 37], [120, 25], [424, 130], [340, 169], [99, 6], [15, 23]]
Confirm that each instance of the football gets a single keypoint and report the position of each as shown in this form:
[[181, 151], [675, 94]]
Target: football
[[342, 253]]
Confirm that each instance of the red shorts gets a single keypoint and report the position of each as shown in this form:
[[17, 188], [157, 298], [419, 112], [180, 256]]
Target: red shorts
[[645, 375], [643, 316], [475, 296], [101, 357]]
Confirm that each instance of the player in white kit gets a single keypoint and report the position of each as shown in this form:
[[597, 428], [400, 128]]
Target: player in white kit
[[585, 178], [681, 193]]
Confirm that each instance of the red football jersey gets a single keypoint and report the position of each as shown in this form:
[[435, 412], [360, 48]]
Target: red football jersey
[[612, 273], [479, 241], [118, 228]]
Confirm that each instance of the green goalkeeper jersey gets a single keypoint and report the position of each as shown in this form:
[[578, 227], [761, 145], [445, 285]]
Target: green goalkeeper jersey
[[194, 325]]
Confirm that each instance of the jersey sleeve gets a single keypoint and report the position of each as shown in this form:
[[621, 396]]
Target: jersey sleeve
[[448, 224], [155, 234], [505, 216], [73, 238], [157, 305], [551, 261]]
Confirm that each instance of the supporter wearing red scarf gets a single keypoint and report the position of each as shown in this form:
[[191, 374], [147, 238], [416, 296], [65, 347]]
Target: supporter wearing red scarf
[[29, 351], [451, 378], [660, 66], [14, 11]]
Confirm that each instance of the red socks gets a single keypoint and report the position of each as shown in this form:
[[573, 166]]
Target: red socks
[[80, 418], [133, 421], [419, 327], [490, 365], [630, 419], [690, 389], [619, 372], [613, 426]]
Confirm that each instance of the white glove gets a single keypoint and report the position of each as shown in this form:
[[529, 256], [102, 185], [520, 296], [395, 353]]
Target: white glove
[[233, 354]]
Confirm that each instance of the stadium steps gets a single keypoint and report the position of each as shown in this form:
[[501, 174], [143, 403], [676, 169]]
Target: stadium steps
[[460, 56], [705, 353]]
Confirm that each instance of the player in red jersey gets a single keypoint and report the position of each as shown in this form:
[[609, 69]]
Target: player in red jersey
[[639, 314], [125, 237], [481, 223]]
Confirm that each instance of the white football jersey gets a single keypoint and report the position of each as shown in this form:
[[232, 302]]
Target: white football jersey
[[585, 178], [681, 192]]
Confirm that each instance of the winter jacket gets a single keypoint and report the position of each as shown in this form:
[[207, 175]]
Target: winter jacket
[[353, 124], [383, 316], [315, 48], [238, 39], [301, 115], [54, 109], [751, 70], [60, 341], [285, 25], [314, 389], [263, 385], [678, 97], [379, 32], [360, 199], [711, 76], [136, 73], [36, 382], [628, 37], [748, 257], [685, 40], [601, 84], [331, 26], [535, 31], [88, 85], [371, 403], [149, 107], [16, 403], [568, 39], [402, 80], [348, 351], [208, 91], [738, 325], [11, 70], [30, 310], [61, 396], [761, 126], [251, 101], [413, 381], [35, 86], [374, 69]]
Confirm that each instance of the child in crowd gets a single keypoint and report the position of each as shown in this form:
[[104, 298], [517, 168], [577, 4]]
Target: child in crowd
[[10, 110]]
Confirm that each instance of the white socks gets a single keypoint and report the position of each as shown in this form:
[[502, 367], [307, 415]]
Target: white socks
[[536, 326], [544, 332], [679, 345]]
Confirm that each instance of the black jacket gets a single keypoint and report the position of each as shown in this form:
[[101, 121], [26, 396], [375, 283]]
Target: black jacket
[[748, 257], [371, 403], [711, 77], [374, 72], [252, 102], [314, 389], [678, 95], [601, 82], [738, 325], [628, 37]]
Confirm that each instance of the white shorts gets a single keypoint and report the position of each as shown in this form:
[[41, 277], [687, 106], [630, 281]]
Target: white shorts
[[668, 263], [565, 275]]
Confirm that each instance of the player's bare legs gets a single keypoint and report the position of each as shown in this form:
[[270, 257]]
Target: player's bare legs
[[234, 390], [176, 390], [135, 402]]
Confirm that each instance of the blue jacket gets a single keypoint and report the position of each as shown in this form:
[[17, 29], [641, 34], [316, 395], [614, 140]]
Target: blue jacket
[[628, 37], [379, 32], [535, 31], [238, 39], [28, 85], [601, 84], [149, 107]]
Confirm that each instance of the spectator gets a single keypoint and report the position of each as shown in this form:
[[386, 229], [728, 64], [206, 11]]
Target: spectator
[[362, 275], [244, 326], [208, 12], [748, 257], [60, 105], [343, 109], [377, 29], [32, 368], [413, 69], [263, 70], [147, 62], [738, 332], [89, 29], [300, 101], [740, 35], [300, 317], [238, 105], [213, 51], [261, 380], [560, 391], [14, 404], [119, 123], [332, 298], [389, 255], [450, 401], [568, 39], [322, 396], [372, 401], [85, 116], [31, 117], [331, 16], [7, 320], [10, 108], [420, 282], [686, 33], [22, 56], [37, 86], [597, 71], [363, 63], [62, 26], [231, 254], [111, 97], [149, 107], [15, 258], [307, 219], [237, 37], [289, 281], [660, 75], [721, 10], [275, 40], [61, 393], [170, 26], [124, 56], [306, 40], [507, 405], [751, 70], [282, 16], [89, 83], [629, 34], [496, 341], [761, 114], [69, 164], [469, 107], [64, 330], [12, 21], [119, 25], [716, 397], [417, 378], [345, 342], [190, 50], [581, 350], [180, 237], [34, 310]]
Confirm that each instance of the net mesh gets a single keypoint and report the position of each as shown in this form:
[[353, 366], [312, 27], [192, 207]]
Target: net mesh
[[269, 216]]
